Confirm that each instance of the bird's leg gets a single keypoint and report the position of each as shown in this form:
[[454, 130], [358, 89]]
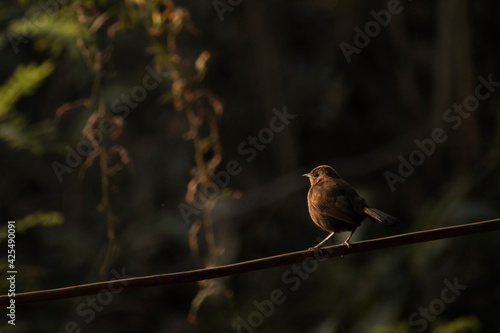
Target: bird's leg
[[348, 238], [324, 240]]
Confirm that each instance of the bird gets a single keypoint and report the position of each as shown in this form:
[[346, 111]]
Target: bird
[[335, 206]]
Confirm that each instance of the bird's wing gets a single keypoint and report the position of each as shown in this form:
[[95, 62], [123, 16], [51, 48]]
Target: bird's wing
[[339, 204]]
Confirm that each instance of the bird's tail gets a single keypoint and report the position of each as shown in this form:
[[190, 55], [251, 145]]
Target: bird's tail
[[378, 216]]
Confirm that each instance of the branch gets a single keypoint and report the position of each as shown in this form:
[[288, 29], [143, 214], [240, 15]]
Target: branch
[[254, 265]]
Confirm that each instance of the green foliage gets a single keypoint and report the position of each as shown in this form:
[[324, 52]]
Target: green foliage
[[469, 324], [24, 81], [38, 218], [15, 129], [53, 32], [19, 134]]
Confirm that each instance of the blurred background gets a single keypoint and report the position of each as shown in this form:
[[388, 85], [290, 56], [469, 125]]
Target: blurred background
[[147, 137]]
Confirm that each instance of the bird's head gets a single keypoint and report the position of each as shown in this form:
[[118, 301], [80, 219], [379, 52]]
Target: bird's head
[[320, 173]]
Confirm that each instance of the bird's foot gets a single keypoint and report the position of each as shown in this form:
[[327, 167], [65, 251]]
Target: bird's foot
[[317, 248]]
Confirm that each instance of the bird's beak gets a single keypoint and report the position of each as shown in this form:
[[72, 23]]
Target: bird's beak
[[308, 175]]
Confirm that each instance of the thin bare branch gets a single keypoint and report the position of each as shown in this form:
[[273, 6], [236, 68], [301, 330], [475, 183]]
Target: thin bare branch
[[254, 265]]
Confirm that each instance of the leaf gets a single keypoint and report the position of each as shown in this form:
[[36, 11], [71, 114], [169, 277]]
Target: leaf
[[38, 218], [38, 138], [24, 81], [53, 31]]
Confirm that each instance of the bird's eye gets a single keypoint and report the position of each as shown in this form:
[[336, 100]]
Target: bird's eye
[[315, 175]]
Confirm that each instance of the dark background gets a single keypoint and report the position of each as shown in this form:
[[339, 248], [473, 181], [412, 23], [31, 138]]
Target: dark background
[[120, 208]]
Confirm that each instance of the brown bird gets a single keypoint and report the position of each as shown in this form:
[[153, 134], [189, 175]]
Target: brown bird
[[335, 206]]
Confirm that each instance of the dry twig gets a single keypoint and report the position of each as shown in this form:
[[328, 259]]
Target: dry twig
[[254, 265]]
